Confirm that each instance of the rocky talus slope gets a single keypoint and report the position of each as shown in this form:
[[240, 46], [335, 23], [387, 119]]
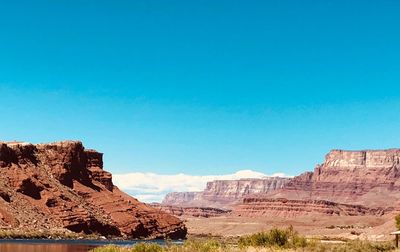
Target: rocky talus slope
[[63, 185], [225, 193]]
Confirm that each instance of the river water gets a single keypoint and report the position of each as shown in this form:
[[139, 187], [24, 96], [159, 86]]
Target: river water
[[17, 245]]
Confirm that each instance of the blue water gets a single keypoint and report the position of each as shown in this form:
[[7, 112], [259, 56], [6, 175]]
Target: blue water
[[22, 245]]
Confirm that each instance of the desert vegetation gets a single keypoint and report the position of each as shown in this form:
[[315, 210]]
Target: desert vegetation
[[285, 240], [397, 221], [43, 234]]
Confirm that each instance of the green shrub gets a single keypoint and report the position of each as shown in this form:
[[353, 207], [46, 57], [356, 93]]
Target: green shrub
[[202, 246], [146, 247], [366, 246], [278, 237], [397, 219], [109, 248], [257, 240], [351, 246], [286, 238], [299, 242], [140, 247], [282, 238]]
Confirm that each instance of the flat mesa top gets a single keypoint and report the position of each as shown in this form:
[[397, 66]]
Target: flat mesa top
[[52, 143], [15, 143], [365, 150]]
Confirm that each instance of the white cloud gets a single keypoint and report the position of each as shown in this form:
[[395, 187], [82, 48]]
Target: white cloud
[[152, 187]]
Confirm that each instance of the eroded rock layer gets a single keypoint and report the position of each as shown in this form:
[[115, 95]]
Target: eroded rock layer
[[182, 198], [203, 212], [368, 178], [233, 190], [63, 185], [256, 207], [225, 193]]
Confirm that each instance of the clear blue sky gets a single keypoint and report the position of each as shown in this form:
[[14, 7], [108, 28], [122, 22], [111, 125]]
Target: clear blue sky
[[202, 87]]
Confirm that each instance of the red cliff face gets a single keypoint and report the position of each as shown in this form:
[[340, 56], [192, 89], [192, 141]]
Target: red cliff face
[[369, 178], [256, 207], [62, 185]]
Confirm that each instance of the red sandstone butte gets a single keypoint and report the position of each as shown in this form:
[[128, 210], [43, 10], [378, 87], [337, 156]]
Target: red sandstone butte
[[63, 185]]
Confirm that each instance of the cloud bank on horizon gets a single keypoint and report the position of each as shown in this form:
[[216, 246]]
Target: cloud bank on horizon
[[152, 187]]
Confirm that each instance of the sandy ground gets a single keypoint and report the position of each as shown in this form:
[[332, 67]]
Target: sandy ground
[[351, 227]]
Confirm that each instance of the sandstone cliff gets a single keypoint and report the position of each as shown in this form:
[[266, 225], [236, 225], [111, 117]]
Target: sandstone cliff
[[368, 178], [229, 191], [256, 207], [225, 193], [63, 185], [182, 198]]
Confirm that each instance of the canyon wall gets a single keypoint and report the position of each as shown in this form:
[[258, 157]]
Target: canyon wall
[[63, 185], [182, 198], [225, 193], [368, 178], [346, 183], [228, 191]]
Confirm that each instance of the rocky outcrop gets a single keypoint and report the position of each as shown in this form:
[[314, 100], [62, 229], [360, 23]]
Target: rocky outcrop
[[229, 191], [259, 206], [368, 178], [225, 193], [182, 198], [63, 185], [201, 212]]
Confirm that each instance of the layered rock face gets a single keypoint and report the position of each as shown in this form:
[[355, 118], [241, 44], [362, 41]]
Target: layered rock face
[[347, 183], [182, 198], [62, 185], [256, 207], [203, 212], [229, 191], [369, 178], [225, 193]]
